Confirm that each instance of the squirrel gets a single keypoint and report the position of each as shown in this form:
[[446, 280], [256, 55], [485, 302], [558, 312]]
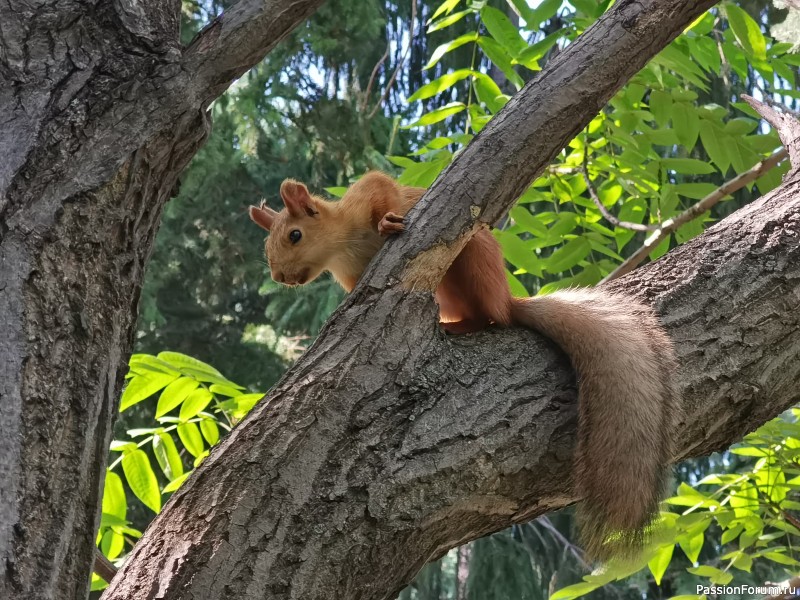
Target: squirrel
[[628, 400]]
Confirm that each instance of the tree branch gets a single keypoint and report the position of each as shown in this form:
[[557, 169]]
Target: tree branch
[[601, 207], [238, 39], [671, 225]]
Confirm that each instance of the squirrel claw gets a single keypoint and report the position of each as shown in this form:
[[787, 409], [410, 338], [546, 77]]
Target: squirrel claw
[[391, 223]]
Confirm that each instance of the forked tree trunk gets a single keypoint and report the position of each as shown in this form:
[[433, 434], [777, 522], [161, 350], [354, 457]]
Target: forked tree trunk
[[387, 443]]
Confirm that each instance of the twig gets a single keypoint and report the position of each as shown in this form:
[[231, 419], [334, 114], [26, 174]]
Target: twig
[[768, 99], [694, 211], [573, 549], [784, 122], [372, 78], [103, 567], [603, 210], [399, 64]]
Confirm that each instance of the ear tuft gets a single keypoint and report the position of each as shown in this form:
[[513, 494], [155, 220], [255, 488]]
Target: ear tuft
[[263, 215], [297, 199]]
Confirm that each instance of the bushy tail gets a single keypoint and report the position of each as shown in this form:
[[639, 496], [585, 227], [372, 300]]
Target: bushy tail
[[629, 408]]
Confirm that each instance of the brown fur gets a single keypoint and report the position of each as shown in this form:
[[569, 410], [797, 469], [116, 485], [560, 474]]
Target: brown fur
[[625, 362]]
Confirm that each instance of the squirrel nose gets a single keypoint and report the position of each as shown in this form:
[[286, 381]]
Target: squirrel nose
[[278, 276]]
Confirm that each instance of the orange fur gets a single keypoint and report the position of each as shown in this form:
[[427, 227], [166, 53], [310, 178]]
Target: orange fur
[[629, 405]]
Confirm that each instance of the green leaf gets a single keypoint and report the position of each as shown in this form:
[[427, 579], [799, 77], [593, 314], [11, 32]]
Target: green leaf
[[114, 502], [689, 230], [194, 403], [241, 405], [175, 483], [437, 115], [179, 361], [692, 545], [196, 369], [569, 255], [445, 7], [450, 46], [717, 576], [747, 31], [779, 558], [575, 591], [742, 561], [210, 431], [731, 534], [503, 30], [142, 387], [696, 191], [437, 86], [336, 191], [143, 363], [175, 393], [224, 390], [530, 56], [518, 253], [525, 219], [660, 106], [714, 141], [448, 20], [167, 455], [422, 174], [687, 166], [659, 563], [517, 289], [191, 438], [141, 479], [500, 57], [686, 123], [488, 92], [112, 544], [545, 11]]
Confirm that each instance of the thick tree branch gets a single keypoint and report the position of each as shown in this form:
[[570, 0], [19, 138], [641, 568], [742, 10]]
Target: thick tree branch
[[239, 39]]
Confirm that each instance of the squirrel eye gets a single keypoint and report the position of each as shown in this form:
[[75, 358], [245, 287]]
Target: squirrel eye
[[295, 235]]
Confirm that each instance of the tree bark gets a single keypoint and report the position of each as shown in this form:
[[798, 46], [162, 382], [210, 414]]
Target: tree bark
[[101, 110]]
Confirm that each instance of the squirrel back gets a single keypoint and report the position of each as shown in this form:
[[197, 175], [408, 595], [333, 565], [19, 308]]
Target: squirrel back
[[629, 406]]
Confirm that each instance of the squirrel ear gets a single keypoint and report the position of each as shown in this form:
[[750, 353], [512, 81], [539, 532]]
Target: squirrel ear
[[263, 216], [297, 199]]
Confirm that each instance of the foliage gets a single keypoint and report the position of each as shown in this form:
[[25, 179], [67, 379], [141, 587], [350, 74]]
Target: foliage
[[751, 513], [194, 404], [666, 140]]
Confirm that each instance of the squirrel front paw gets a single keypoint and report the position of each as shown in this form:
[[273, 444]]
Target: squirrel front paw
[[391, 223]]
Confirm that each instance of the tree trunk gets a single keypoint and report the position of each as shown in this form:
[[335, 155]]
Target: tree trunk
[[102, 109]]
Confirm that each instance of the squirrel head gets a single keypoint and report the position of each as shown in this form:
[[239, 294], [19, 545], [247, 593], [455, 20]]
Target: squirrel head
[[295, 248]]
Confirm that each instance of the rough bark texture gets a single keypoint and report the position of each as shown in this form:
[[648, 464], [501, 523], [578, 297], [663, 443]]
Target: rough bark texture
[[101, 110]]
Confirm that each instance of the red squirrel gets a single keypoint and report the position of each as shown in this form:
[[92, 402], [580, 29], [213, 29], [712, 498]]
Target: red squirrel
[[625, 362]]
